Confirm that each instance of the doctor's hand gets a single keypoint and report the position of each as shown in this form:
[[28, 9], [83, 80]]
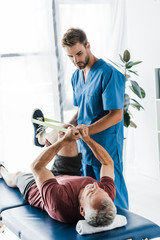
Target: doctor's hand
[[84, 132], [72, 134]]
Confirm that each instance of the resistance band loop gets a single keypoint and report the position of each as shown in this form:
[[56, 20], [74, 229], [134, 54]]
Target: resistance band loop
[[55, 121], [58, 128]]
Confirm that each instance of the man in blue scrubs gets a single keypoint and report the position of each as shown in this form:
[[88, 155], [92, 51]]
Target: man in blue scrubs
[[98, 91]]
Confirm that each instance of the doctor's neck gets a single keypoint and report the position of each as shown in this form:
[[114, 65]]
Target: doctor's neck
[[92, 60]]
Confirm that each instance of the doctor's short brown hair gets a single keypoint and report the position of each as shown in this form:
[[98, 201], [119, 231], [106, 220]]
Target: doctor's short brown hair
[[73, 36]]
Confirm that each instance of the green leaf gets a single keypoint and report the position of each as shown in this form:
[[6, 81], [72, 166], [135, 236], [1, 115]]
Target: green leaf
[[131, 64], [126, 102], [126, 56], [116, 64], [121, 58], [143, 93], [136, 88], [132, 124], [127, 77], [129, 112], [138, 62], [136, 104], [135, 72], [126, 119]]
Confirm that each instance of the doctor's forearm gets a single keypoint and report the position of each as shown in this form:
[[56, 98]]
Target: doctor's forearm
[[112, 118]]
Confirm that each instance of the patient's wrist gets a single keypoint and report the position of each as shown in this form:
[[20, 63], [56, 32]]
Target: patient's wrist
[[86, 139]]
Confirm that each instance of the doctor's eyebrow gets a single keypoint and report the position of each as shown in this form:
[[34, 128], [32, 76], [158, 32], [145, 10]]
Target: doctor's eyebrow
[[79, 53]]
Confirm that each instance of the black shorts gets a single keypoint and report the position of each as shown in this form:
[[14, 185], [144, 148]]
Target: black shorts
[[24, 181], [61, 166]]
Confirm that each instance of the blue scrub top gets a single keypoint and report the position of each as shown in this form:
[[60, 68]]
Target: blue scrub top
[[103, 91]]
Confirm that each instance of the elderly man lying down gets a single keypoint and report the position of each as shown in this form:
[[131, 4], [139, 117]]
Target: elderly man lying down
[[62, 192]]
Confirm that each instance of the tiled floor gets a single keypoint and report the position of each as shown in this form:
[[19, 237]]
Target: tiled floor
[[144, 195]]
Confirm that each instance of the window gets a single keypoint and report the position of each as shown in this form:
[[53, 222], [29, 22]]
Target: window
[[34, 70], [28, 76], [102, 20]]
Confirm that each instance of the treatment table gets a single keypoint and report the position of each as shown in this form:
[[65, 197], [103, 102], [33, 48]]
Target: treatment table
[[30, 223]]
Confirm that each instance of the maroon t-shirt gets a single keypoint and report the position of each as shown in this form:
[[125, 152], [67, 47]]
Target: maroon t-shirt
[[59, 196]]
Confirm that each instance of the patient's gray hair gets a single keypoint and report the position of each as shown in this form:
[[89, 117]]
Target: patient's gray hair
[[103, 217]]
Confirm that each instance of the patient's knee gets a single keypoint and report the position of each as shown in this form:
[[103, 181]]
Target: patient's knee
[[11, 180]]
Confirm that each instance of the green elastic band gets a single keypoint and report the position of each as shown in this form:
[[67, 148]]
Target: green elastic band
[[55, 121], [58, 128]]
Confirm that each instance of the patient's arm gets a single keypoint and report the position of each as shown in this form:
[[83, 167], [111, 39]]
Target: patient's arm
[[100, 153], [40, 172]]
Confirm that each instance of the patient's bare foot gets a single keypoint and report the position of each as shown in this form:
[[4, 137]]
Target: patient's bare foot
[[1, 167]]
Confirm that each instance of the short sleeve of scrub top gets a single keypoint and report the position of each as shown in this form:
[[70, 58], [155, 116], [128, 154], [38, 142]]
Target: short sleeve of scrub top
[[112, 95]]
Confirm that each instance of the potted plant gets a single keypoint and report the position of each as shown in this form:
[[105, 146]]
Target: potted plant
[[126, 67]]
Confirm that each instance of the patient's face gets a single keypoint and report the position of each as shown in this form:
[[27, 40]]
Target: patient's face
[[93, 196]]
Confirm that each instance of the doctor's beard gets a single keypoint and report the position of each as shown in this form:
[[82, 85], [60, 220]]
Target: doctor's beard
[[82, 65]]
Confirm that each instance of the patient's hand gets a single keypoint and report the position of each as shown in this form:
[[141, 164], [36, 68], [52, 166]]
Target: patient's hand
[[72, 134], [47, 143]]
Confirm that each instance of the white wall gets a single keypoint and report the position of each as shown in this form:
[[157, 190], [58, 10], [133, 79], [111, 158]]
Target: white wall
[[143, 23]]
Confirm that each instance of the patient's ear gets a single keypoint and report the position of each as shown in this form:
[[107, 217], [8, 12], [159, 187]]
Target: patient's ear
[[82, 212]]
